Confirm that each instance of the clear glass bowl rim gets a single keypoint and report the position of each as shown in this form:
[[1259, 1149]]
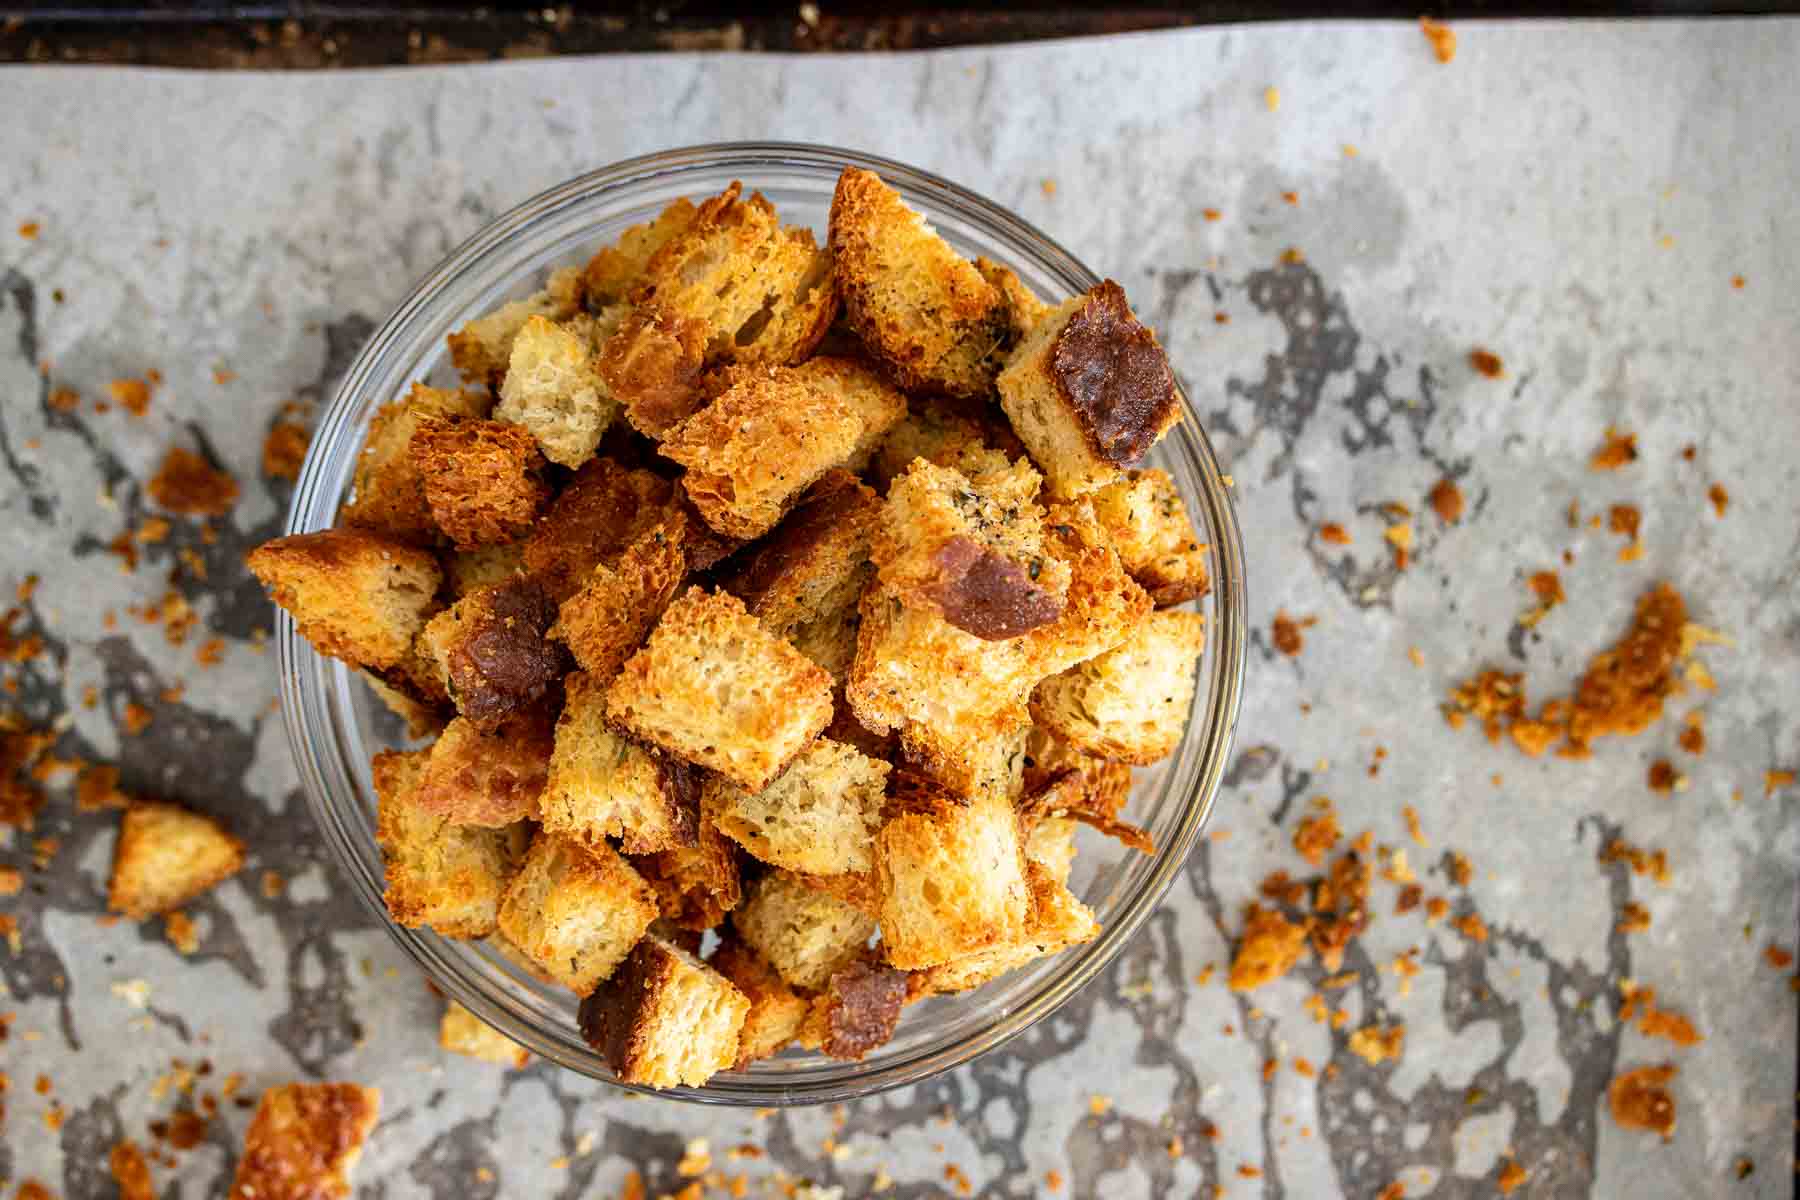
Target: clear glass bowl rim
[[302, 670]]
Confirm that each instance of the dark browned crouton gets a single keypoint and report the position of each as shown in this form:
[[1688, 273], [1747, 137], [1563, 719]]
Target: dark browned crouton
[[491, 650], [810, 563], [665, 1018], [605, 622], [483, 480], [493, 778], [389, 494], [858, 1010], [599, 512]]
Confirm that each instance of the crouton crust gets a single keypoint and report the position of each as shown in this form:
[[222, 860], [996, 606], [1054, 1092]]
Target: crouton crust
[[802, 570], [475, 777], [389, 492], [972, 439], [603, 508], [482, 349], [1024, 308], [1056, 920], [605, 622], [354, 595], [665, 1018], [165, 856], [304, 1140], [652, 365], [857, 1011], [491, 651], [695, 885], [447, 876], [602, 784], [1147, 524], [483, 480], [616, 270], [576, 912], [1131, 703], [776, 1011]]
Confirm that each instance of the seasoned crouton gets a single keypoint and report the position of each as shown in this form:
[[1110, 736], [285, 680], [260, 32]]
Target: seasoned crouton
[[354, 595], [922, 311], [665, 1018], [1147, 524], [1024, 308], [165, 856], [493, 778], [695, 885], [1131, 703], [776, 1010], [804, 933], [491, 652], [653, 365], [819, 816], [857, 1011], [1056, 921], [715, 687], [1104, 604], [951, 878], [1089, 391], [389, 492], [1083, 788], [969, 438], [754, 451], [601, 510], [856, 889], [483, 480], [604, 785], [605, 622], [482, 348], [830, 640], [462, 1032], [466, 570], [577, 912], [813, 563], [422, 717], [440, 874], [613, 273], [304, 1141], [553, 388]]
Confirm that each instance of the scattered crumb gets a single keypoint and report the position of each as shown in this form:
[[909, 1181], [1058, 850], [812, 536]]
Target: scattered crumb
[[1290, 198], [1292, 257], [1175, 1146], [1639, 1004], [1304, 1068], [137, 718], [179, 928], [272, 884], [1334, 533], [1446, 500], [1399, 537], [1471, 926], [1640, 1099], [1246, 1171], [1486, 362], [1654, 863], [1316, 836], [186, 483], [1777, 957], [1617, 450], [130, 1172], [1547, 587], [1349, 150], [1721, 500], [1775, 780], [64, 399], [1737, 282], [1635, 919], [132, 395], [1272, 98], [1049, 187], [1271, 945], [97, 788], [28, 230], [284, 450], [1053, 1180], [1413, 829], [1441, 37], [1287, 632], [1211, 214], [696, 1159], [1512, 1177], [1375, 1045]]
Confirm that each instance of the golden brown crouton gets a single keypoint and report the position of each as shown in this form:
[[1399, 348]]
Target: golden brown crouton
[[1104, 603], [1062, 782], [922, 310], [1089, 391], [715, 687], [304, 1141], [491, 650], [447, 876], [577, 912], [605, 785], [553, 388], [601, 510], [856, 889], [819, 816], [165, 856], [482, 348], [466, 570], [776, 1010], [857, 1011], [952, 879], [803, 932], [605, 622], [493, 778], [812, 564], [1056, 921], [354, 595], [653, 366], [1147, 524], [389, 491], [972, 439], [665, 1018], [1131, 703], [613, 273], [462, 1032], [1024, 308], [483, 480], [695, 885], [422, 717], [830, 641]]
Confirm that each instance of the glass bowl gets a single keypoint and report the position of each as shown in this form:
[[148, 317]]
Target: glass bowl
[[335, 724]]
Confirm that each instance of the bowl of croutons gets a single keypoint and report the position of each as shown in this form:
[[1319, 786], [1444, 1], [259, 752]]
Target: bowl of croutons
[[760, 623]]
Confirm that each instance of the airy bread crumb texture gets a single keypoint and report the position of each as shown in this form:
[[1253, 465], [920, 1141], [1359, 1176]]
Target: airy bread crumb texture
[[951, 880], [1131, 703], [804, 933], [819, 817], [439, 874], [576, 911], [602, 784], [354, 595]]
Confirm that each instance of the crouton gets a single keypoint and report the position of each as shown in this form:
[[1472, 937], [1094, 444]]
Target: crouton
[[1086, 789], [804, 933], [922, 311], [354, 595], [462, 1032], [856, 889], [482, 349], [605, 622], [813, 565], [857, 1011], [613, 273], [1131, 703], [304, 1141], [715, 687], [951, 878], [819, 816], [776, 1010], [1104, 604], [421, 716], [388, 491], [972, 439], [477, 777], [1270, 947], [466, 570], [754, 451], [604, 785], [1024, 308], [447, 876], [1050, 843], [653, 365], [665, 1018], [483, 480], [491, 652], [1056, 920], [165, 856], [1147, 524], [830, 641], [601, 510], [576, 911], [695, 885], [553, 388], [1089, 391]]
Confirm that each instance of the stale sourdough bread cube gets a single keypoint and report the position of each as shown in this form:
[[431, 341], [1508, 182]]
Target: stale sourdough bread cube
[[1131, 703], [665, 1018], [447, 876], [1055, 921], [715, 687], [804, 933], [923, 312], [971, 439], [576, 912], [1089, 391], [354, 595], [304, 1141], [613, 273], [1147, 524], [165, 856], [488, 778], [553, 390], [482, 349], [605, 622], [389, 490], [483, 480], [695, 885], [603, 784], [803, 569], [754, 450], [462, 1032], [491, 652], [819, 817], [951, 878], [603, 509], [776, 1010], [857, 1011]]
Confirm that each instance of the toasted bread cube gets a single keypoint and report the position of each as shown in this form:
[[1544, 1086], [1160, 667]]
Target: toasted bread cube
[[389, 491], [971, 439], [605, 622], [553, 388], [440, 874], [491, 650], [776, 1011], [952, 879], [165, 856], [604, 785], [804, 933], [715, 687], [653, 365], [754, 451], [422, 717], [488, 778], [920, 309], [695, 885], [354, 595], [814, 563], [665, 1018], [1147, 524], [616, 271], [576, 912], [830, 640], [856, 889], [819, 817], [462, 1032], [1104, 604], [1024, 306], [1089, 391], [482, 349], [857, 1011], [304, 1141], [466, 570], [601, 511], [1131, 703], [483, 480], [1057, 920]]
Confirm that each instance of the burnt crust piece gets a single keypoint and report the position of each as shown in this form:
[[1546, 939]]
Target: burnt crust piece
[[496, 657], [1115, 377], [987, 594], [862, 1006]]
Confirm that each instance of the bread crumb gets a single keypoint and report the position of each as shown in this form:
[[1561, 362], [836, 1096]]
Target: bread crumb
[[1635, 919], [1375, 1045], [1775, 780], [1049, 187], [1415, 656], [1053, 1180], [1639, 1004], [1099, 1105], [1640, 1100], [1292, 198], [1211, 214], [137, 718], [1292, 257], [1721, 500], [1618, 449], [186, 483], [1471, 926], [696, 1159], [1512, 1177], [1272, 98], [284, 449], [29, 231], [132, 395], [1417, 834], [1399, 536], [1287, 633], [1486, 362], [1737, 282], [64, 399], [1316, 835], [179, 928], [1334, 533], [1270, 947], [130, 1172], [1397, 1189], [1446, 501]]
